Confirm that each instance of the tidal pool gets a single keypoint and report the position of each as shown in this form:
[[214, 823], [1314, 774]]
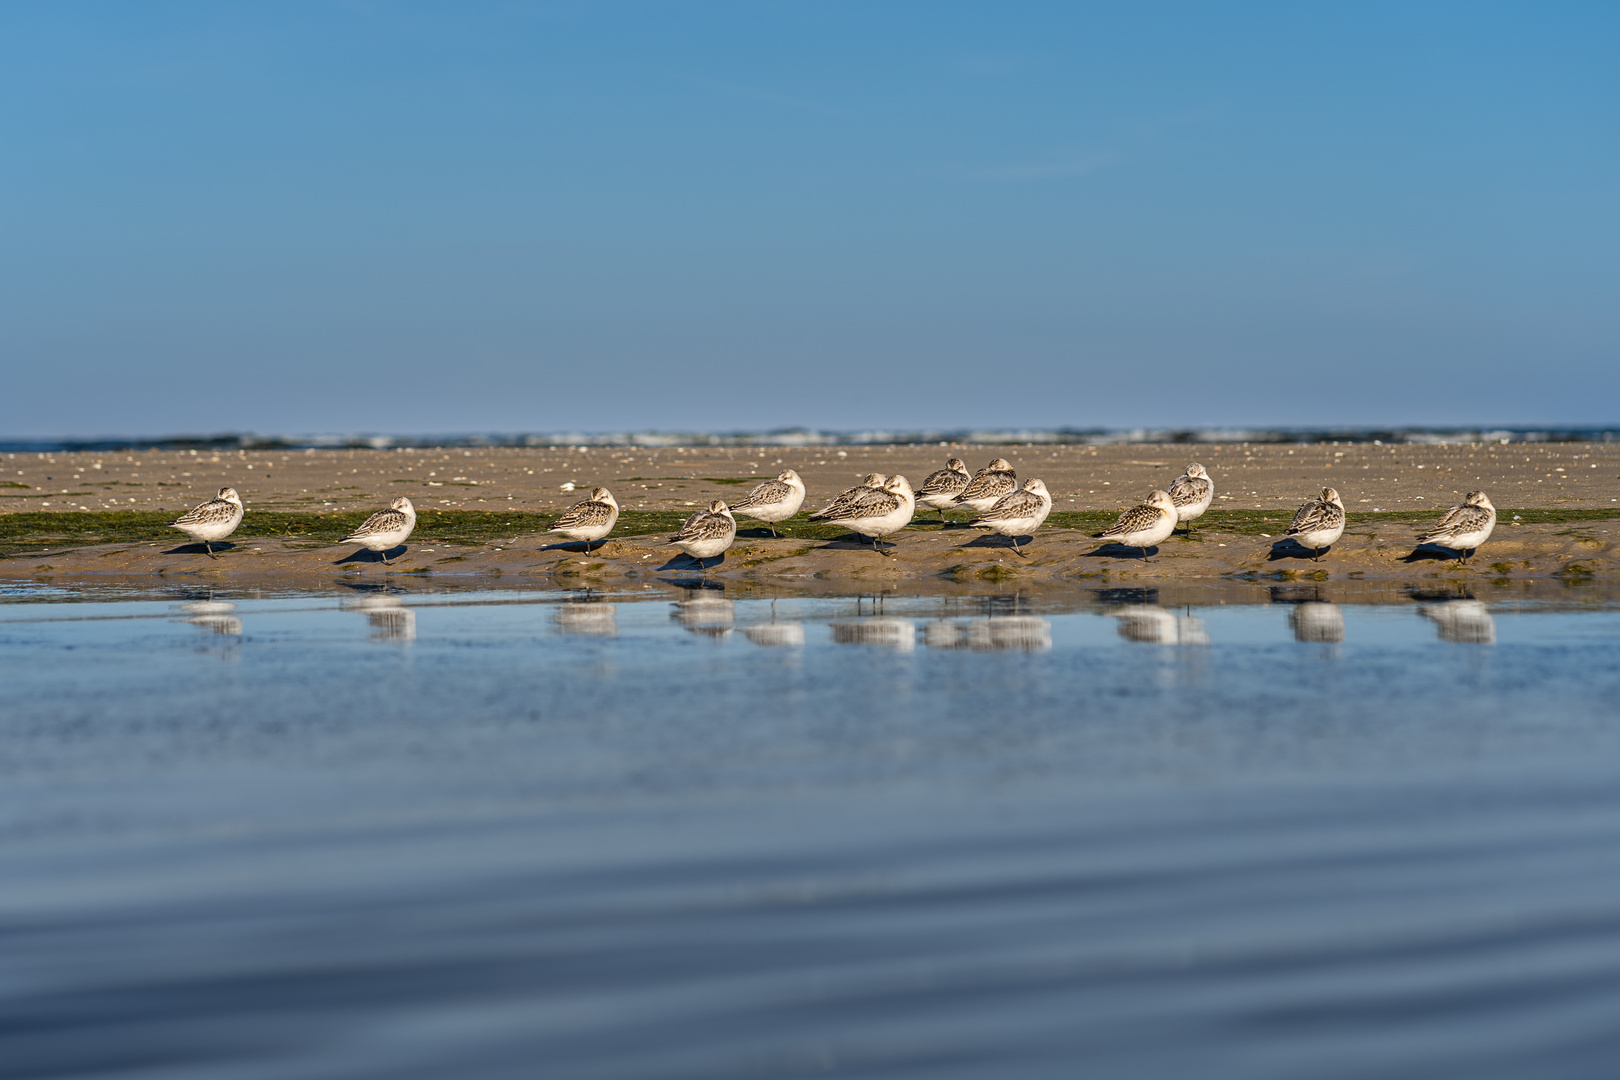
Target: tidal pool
[[685, 832]]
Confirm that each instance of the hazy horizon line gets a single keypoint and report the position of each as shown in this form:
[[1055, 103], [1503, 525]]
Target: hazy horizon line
[[804, 436]]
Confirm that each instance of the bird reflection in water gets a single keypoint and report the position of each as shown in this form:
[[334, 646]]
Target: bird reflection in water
[[1464, 622], [705, 612], [214, 617], [897, 634], [1024, 633], [779, 635], [1155, 625], [390, 619], [590, 618], [1317, 621]]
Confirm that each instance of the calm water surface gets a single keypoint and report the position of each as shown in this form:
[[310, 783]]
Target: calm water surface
[[683, 833]]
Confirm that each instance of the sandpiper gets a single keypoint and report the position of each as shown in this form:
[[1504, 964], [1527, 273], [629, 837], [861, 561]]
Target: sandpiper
[[988, 484], [385, 530], [774, 500], [707, 533], [879, 512], [213, 520], [1192, 493], [589, 520], [1018, 514], [942, 487], [1464, 527], [1145, 524], [1319, 523]]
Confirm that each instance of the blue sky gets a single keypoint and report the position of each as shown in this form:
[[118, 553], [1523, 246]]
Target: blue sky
[[420, 218]]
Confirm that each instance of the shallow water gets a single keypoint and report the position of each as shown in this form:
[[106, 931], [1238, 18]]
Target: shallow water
[[673, 833]]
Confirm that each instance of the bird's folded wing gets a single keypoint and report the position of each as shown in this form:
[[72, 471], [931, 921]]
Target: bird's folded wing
[[1135, 519], [772, 491], [870, 503], [841, 502], [383, 521], [1313, 515], [987, 484], [583, 515], [1459, 519], [208, 513], [1188, 489], [1020, 504], [705, 526], [941, 482]]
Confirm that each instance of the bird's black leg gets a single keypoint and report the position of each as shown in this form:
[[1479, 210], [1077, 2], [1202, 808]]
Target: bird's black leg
[[208, 548]]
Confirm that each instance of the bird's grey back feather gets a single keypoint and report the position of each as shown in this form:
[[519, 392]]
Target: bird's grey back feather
[[383, 521], [583, 515], [1189, 489], [766, 494]]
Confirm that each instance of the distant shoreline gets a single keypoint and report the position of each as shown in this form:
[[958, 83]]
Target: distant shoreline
[[808, 437]]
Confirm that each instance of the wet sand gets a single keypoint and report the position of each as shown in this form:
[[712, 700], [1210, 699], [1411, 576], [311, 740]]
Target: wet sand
[[929, 556], [1370, 478], [1267, 477]]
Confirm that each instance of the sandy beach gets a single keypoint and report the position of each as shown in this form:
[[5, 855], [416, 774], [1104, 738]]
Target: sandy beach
[[1389, 491], [1081, 478]]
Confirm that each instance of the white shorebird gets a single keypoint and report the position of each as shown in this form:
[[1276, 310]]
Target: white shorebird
[[774, 500], [589, 520], [940, 490], [707, 533], [988, 484], [1145, 524], [385, 530], [879, 512], [213, 520], [874, 481], [1018, 514], [1463, 528], [1319, 523], [1192, 493]]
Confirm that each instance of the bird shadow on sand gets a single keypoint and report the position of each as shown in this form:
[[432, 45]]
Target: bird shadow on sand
[[1120, 551], [762, 533], [366, 555], [997, 542], [856, 542], [683, 561], [1433, 553], [575, 547], [1289, 548], [199, 549]]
